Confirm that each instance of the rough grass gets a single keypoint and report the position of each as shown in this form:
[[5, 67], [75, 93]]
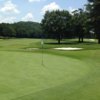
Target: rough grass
[[65, 75]]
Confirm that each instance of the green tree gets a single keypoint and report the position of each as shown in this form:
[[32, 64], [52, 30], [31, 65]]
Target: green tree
[[79, 24], [56, 23], [21, 30], [7, 30], [95, 16], [27, 29]]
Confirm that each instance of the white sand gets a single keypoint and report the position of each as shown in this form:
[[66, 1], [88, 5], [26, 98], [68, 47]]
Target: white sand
[[63, 48], [68, 48]]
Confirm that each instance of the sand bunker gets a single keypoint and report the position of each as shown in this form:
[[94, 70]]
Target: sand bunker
[[68, 48], [62, 48]]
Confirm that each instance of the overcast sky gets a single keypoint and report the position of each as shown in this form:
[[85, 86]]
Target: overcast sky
[[33, 10]]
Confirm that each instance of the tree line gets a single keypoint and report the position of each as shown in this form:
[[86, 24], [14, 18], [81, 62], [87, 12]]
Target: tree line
[[81, 23], [59, 24], [62, 24], [21, 30]]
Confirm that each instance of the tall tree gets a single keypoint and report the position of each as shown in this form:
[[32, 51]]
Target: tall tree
[[56, 23], [95, 16], [79, 23]]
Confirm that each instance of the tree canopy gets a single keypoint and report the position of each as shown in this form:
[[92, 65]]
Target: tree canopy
[[59, 24], [56, 23], [94, 11], [63, 24], [21, 30]]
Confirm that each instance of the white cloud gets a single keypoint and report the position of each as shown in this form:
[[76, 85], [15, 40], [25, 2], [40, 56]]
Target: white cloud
[[7, 19], [71, 9], [28, 17], [34, 0], [9, 7], [50, 7]]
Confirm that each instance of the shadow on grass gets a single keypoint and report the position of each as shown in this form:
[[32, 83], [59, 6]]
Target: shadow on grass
[[71, 43], [62, 43]]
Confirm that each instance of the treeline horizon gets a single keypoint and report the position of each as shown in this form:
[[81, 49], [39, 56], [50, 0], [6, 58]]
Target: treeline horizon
[[59, 24], [20, 30], [31, 29]]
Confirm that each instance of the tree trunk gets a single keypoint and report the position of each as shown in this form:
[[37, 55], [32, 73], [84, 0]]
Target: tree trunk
[[98, 38], [59, 38], [79, 40], [82, 39], [99, 41], [59, 41]]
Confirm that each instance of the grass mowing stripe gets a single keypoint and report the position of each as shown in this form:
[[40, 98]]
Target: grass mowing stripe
[[23, 73], [83, 89], [67, 75]]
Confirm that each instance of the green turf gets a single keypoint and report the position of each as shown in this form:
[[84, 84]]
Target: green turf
[[65, 75]]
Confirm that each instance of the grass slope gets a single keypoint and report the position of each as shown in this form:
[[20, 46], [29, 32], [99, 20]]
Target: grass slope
[[66, 75]]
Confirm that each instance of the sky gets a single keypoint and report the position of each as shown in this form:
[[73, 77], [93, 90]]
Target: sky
[[34, 10]]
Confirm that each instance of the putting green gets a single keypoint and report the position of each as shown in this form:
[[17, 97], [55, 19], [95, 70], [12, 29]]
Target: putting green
[[22, 73]]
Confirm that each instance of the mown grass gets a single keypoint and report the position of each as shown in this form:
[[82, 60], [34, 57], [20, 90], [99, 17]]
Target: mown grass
[[65, 75]]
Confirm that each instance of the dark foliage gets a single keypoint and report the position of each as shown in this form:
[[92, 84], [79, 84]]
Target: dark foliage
[[21, 30]]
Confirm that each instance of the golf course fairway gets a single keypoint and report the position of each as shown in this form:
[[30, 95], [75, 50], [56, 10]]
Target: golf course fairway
[[48, 74]]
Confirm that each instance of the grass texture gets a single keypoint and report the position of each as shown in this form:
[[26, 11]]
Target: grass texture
[[64, 75]]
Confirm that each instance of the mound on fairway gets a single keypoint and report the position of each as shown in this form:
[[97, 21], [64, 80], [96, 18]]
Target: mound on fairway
[[22, 76]]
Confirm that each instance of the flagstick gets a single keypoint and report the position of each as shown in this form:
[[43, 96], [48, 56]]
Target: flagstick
[[42, 43]]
